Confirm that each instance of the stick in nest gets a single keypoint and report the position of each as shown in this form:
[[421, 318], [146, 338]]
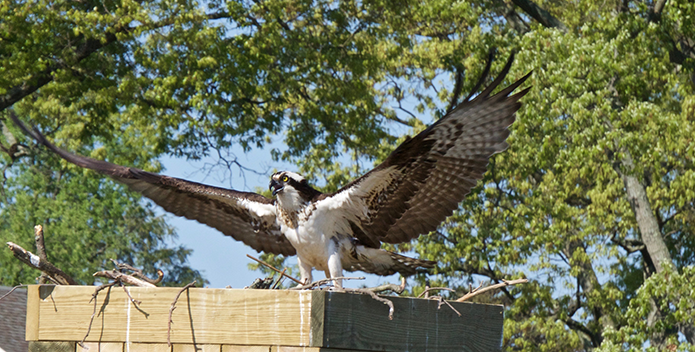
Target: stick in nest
[[94, 313], [478, 290], [173, 306], [373, 295], [138, 272], [321, 282], [124, 278], [275, 269], [12, 290]]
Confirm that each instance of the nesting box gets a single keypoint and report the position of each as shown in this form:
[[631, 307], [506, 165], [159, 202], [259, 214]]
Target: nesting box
[[252, 320]]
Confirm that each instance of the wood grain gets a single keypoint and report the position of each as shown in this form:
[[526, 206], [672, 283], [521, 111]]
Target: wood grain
[[196, 348], [101, 347], [32, 325], [51, 346], [202, 316]]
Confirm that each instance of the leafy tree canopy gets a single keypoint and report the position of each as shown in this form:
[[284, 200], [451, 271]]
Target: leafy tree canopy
[[593, 201]]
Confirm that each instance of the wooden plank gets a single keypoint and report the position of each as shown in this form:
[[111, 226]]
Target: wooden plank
[[240, 348], [32, 325], [101, 347], [196, 348], [359, 322], [51, 346], [318, 314], [147, 347], [203, 316]]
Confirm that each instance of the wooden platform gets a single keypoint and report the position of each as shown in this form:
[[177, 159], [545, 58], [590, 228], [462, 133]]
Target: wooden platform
[[253, 320]]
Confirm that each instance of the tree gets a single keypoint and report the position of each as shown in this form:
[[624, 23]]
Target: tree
[[593, 201]]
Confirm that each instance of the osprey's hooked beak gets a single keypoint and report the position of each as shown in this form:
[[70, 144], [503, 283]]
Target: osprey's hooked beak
[[275, 187]]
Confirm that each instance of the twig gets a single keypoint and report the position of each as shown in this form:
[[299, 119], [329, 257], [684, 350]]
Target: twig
[[94, 313], [135, 301], [324, 281], [373, 295], [12, 290], [386, 287], [173, 306], [37, 262], [138, 272], [443, 301], [478, 291], [282, 275], [428, 289], [125, 278], [274, 269]]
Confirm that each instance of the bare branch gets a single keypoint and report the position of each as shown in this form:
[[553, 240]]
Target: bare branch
[[478, 291], [125, 278], [94, 313], [324, 281], [398, 289], [36, 262], [173, 306], [274, 269]]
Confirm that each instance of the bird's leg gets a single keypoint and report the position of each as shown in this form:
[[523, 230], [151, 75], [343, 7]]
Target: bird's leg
[[304, 271], [335, 265]]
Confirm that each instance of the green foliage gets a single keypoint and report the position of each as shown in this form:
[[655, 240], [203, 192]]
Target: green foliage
[[612, 100]]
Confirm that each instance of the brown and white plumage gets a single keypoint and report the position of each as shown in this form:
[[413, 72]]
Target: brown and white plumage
[[409, 194]]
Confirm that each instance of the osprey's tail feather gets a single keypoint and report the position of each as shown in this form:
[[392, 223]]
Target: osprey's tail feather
[[382, 262]]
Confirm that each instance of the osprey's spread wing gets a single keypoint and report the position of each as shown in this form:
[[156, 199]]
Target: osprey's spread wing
[[423, 181], [247, 217]]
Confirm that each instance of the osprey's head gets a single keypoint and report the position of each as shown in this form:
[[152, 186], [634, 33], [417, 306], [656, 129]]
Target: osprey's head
[[290, 186], [285, 179]]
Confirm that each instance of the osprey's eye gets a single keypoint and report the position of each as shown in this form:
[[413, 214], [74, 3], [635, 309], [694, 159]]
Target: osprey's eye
[[285, 178]]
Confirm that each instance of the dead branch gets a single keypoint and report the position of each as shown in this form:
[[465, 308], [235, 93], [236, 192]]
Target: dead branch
[[429, 289], [323, 282], [94, 313], [443, 301], [398, 289], [40, 249], [138, 272], [274, 269], [372, 294], [478, 291], [12, 290], [37, 262], [173, 306], [282, 276], [121, 277], [135, 301]]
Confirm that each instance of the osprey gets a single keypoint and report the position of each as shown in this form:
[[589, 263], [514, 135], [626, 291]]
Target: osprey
[[409, 194]]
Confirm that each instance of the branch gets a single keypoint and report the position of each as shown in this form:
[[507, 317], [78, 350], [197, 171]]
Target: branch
[[539, 14], [398, 289], [478, 291], [171, 310], [45, 266], [125, 278], [40, 249], [323, 282], [138, 272], [275, 269], [12, 290], [372, 294], [94, 313]]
